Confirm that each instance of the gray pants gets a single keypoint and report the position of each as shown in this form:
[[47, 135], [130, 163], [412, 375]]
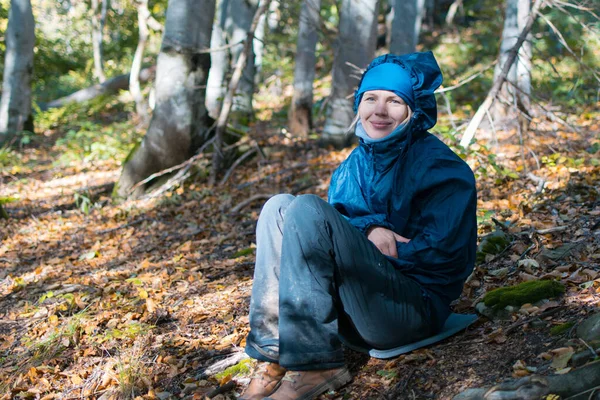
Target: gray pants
[[317, 276]]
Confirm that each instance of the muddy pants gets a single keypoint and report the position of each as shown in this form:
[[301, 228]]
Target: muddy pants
[[317, 275]]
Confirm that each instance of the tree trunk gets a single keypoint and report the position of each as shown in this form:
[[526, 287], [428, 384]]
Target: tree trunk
[[234, 21], [406, 25], [15, 105], [180, 123], [98, 22], [300, 115], [355, 45], [219, 62], [580, 384], [503, 111], [136, 66]]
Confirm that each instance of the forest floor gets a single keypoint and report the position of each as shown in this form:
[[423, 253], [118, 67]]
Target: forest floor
[[100, 300]]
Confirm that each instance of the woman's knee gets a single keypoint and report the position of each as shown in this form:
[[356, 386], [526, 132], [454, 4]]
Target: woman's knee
[[308, 204], [310, 210], [276, 204]]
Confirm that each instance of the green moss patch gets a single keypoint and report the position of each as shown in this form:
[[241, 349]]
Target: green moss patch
[[242, 368], [560, 329], [523, 293]]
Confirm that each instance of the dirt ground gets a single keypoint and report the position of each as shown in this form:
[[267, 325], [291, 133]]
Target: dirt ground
[[135, 300]]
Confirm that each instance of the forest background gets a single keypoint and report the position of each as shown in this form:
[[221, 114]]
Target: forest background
[[127, 274]]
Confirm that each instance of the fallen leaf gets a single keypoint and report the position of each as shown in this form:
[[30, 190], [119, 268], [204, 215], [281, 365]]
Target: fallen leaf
[[562, 356]]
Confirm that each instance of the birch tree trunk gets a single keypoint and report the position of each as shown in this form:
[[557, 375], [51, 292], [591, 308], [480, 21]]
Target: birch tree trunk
[[233, 24], [406, 25], [503, 111], [300, 115], [136, 66], [15, 105], [219, 62], [355, 45], [180, 123], [98, 22]]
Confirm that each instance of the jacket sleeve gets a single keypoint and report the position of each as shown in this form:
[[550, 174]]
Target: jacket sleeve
[[346, 196], [446, 202]]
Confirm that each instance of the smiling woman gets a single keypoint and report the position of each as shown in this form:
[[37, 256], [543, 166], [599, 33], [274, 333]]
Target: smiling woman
[[381, 260]]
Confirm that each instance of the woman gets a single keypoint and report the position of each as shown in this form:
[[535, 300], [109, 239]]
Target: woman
[[382, 259]]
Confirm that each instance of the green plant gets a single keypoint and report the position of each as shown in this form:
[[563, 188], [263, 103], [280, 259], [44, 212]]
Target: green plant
[[56, 340], [83, 202]]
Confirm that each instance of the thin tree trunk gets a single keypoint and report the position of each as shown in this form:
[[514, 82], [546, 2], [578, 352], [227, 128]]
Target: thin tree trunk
[[489, 100], [406, 25], [355, 49], [233, 85], [517, 12], [524, 64], [219, 62], [15, 105], [180, 123], [237, 24], [98, 22], [300, 114], [456, 4], [136, 66]]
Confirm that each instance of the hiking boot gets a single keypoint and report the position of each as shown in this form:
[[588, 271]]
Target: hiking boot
[[307, 385], [265, 380]]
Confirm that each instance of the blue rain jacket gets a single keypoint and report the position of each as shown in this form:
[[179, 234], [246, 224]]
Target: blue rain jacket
[[416, 186]]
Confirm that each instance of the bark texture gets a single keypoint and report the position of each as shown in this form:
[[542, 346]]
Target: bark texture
[[15, 105], [300, 115], [406, 25], [136, 66], [355, 48], [99, 9], [234, 18], [579, 384], [179, 124]]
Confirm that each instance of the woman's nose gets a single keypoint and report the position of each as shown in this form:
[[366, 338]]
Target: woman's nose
[[381, 108]]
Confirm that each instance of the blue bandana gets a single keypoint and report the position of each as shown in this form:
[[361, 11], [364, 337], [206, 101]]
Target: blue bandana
[[388, 76]]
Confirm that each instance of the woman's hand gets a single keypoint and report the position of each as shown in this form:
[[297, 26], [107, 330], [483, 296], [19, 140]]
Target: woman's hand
[[385, 240]]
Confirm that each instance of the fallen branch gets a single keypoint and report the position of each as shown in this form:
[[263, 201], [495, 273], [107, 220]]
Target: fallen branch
[[110, 86], [237, 162], [512, 56], [221, 389], [186, 164], [252, 199]]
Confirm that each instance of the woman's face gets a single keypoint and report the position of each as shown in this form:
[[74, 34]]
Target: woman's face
[[381, 112]]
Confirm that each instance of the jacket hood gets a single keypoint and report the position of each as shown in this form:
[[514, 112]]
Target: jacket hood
[[425, 76]]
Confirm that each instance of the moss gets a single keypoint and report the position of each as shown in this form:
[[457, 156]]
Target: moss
[[493, 243], [526, 292], [560, 329], [242, 368]]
